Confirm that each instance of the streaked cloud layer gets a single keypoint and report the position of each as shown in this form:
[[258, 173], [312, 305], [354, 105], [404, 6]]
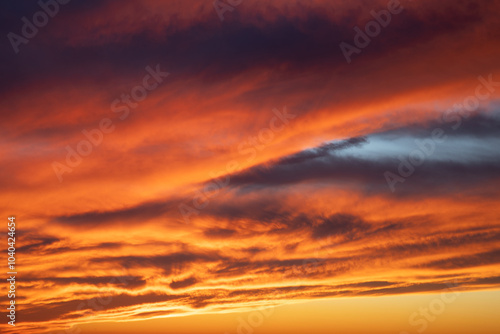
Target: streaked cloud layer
[[162, 163]]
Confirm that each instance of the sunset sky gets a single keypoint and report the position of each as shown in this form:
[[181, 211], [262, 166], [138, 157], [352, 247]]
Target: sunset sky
[[251, 166]]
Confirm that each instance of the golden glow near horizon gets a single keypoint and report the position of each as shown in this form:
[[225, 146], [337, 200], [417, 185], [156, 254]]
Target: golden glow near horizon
[[174, 173]]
